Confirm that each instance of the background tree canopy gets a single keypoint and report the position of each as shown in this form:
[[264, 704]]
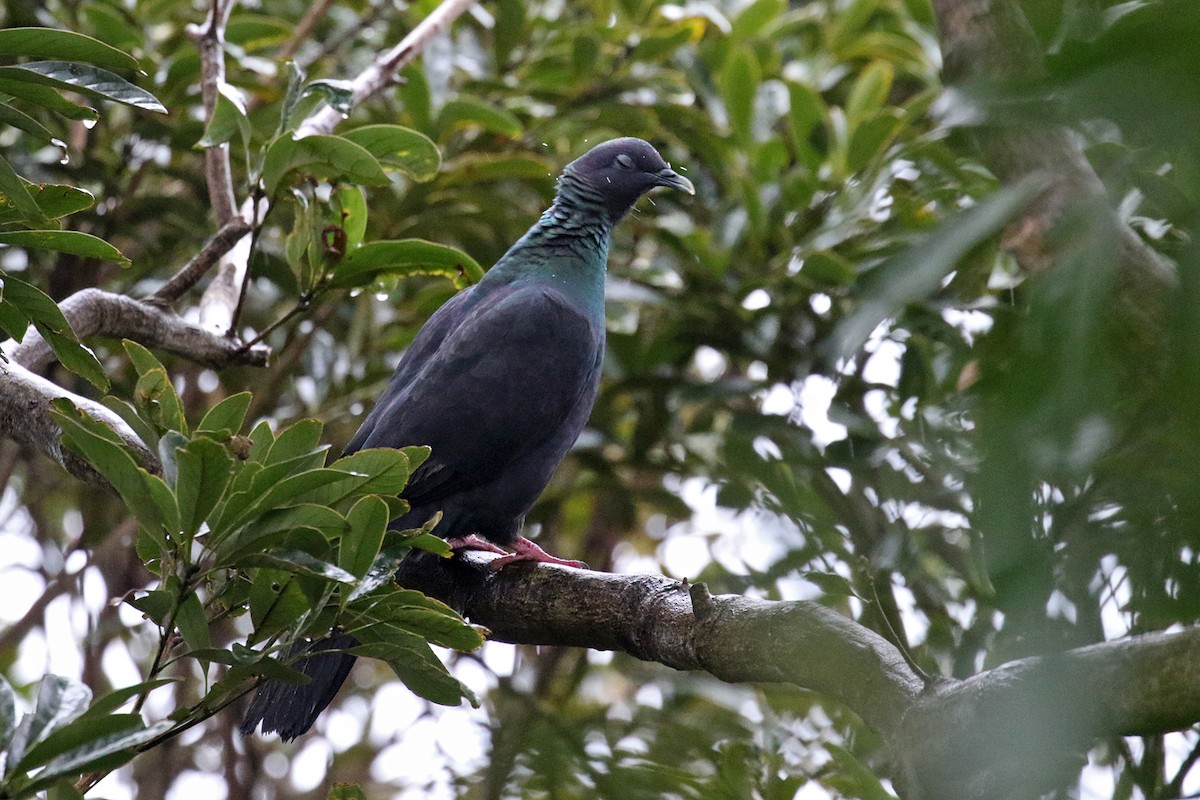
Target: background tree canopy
[[911, 387]]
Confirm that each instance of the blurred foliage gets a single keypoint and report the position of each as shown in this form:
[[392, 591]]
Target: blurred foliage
[[827, 342]]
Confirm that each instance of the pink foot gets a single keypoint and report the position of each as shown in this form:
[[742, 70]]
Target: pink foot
[[525, 550], [475, 542]]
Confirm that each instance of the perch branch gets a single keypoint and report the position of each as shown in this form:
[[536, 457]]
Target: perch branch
[[202, 262], [93, 312], [1007, 732]]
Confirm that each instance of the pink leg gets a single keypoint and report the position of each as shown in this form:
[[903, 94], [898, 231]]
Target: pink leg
[[525, 550], [475, 542]]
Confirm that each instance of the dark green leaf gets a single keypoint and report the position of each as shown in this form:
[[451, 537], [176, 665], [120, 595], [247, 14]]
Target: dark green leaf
[[32, 88], [338, 94], [360, 545], [155, 394], [300, 563], [110, 702], [397, 147], [74, 242], [405, 257], [204, 471], [67, 45], [15, 194], [112, 750], [346, 791], [463, 112], [60, 700], [320, 156], [22, 121], [228, 119], [91, 81], [53, 200], [227, 416], [192, 624]]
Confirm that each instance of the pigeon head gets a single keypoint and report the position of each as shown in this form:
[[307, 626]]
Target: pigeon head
[[615, 174]]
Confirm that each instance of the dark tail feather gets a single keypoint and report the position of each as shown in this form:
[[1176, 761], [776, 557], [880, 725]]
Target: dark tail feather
[[291, 708]]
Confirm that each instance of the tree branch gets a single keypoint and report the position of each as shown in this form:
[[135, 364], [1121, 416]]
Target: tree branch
[[93, 312], [1012, 731], [202, 262], [210, 41], [990, 41], [25, 417], [220, 301]]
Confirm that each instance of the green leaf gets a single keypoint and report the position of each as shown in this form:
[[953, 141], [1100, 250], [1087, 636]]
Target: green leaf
[[414, 663], [110, 26], [32, 89], [339, 94], [397, 147], [73, 242], [227, 416], [67, 45], [60, 700], [22, 121], [350, 204], [299, 563], [8, 714], [228, 119], [869, 92], [110, 702], [474, 113], [46, 316], [111, 750], [477, 168], [360, 545], [204, 472], [144, 494], [80, 732], [414, 612], [14, 192], [918, 271], [852, 778], [154, 393], [91, 81], [757, 16], [321, 156], [53, 200], [257, 31], [192, 624], [156, 605], [739, 84], [405, 257], [301, 438]]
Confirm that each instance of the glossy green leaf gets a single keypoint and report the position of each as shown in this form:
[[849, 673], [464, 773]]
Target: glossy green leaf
[[53, 200], [111, 750], [46, 316], [405, 257], [155, 393], [483, 169], [227, 416], [192, 624], [91, 81], [67, 45], [20, 120], [31, 88], [228, 119], [300, 563], [413, 662], [59, 701], [14, 192], [204, 472], [112, 701], [339, 94], [400, 148], [322, 157], [462, 113], [358, 548], [73, 242], [350, 206]]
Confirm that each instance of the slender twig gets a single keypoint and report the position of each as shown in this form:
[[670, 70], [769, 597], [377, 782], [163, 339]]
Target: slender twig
[[202, 262], [210, 40], [315, 12], [382, 71]]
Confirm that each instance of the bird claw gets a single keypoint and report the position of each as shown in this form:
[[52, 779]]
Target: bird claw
[[525, 550], [475, 542]]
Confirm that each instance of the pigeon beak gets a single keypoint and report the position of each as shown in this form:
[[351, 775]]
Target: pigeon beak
[[669, 177]]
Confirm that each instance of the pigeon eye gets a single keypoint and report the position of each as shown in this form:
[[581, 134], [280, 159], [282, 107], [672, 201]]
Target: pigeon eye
[[624, 161]]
